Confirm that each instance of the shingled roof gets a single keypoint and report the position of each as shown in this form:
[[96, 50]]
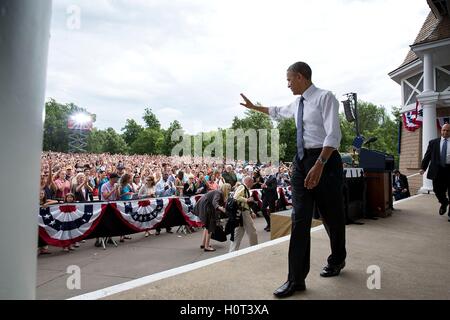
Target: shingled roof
[[433, 29]]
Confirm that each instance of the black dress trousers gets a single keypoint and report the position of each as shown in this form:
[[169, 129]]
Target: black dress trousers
[[328, 197], [441, 184]]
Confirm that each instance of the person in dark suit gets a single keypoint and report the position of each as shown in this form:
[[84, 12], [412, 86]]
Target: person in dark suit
[[437, 160], [269, 196], [317, 177], [400, 186]]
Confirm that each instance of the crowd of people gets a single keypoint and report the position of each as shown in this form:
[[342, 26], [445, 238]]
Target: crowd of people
[[88, 177]]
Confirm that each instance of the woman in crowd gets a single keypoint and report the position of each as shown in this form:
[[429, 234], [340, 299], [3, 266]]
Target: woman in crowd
[[202, 186], [91, 177], [158, 176], [187, 173], [190, 189], [47, 183], [179, 184], [100, 181], [212, 182], [207, 209], [81, 188], [126, 190], [125, 193], [44, 203], [148, 189], [137, 183], [62, 185], [47, 186], [219, 179], [70, 198]]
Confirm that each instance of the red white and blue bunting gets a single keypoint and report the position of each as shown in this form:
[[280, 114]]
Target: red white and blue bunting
[[186, 206], [412, 120], [63, 225], [409, 120], [142, 215], [419, 114]]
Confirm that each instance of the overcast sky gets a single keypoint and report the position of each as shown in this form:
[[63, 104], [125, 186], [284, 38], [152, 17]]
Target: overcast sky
[[189, 59]]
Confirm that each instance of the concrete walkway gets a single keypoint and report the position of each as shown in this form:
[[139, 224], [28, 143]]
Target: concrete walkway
[[133, 259], [411, 248]]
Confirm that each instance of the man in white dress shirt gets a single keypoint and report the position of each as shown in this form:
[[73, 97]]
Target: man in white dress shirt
[[317, 175]]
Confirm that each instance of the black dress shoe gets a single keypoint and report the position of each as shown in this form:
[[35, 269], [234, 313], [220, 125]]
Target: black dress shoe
[[443, 209], [331, 270], [288, 288]]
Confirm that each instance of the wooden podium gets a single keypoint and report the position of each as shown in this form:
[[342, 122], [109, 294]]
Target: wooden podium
[[379, 193]]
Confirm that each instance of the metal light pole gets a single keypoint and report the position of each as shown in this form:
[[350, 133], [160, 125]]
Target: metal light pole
[[24, 38]]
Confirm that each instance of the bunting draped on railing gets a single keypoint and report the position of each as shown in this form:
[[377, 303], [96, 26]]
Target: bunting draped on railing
[[63, 225], [143, 215], [186, 206], [409, 120], [412, 120]]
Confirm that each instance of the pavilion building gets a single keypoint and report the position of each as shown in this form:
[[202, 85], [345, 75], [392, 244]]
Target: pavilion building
[[424, 77]]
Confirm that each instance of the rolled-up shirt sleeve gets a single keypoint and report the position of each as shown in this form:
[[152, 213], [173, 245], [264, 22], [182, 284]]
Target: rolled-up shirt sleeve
[[330, 114], [278, 113]]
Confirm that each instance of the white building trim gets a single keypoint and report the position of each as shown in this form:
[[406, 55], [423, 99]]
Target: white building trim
[[420, 49]]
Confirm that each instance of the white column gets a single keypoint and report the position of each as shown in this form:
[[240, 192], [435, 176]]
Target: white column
[[428, 72], [24, 37], [428, 99]]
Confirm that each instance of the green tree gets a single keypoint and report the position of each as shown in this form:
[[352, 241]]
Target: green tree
[[168, 144], [151, 120], [56, 132], [131, 131], [96, 141], [149, 141], [253, 120], [114, 143], [288, 139], [348, 134]]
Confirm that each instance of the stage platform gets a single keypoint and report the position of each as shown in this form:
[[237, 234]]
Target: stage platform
[[411, 248]]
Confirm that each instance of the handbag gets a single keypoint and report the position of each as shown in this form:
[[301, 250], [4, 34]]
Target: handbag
[[219, 234]]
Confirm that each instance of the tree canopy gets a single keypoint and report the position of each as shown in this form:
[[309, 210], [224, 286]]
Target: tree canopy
[[56, 131], [374, 121]]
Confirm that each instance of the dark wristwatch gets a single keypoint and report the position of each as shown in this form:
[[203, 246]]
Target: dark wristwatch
[[322, 160]]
